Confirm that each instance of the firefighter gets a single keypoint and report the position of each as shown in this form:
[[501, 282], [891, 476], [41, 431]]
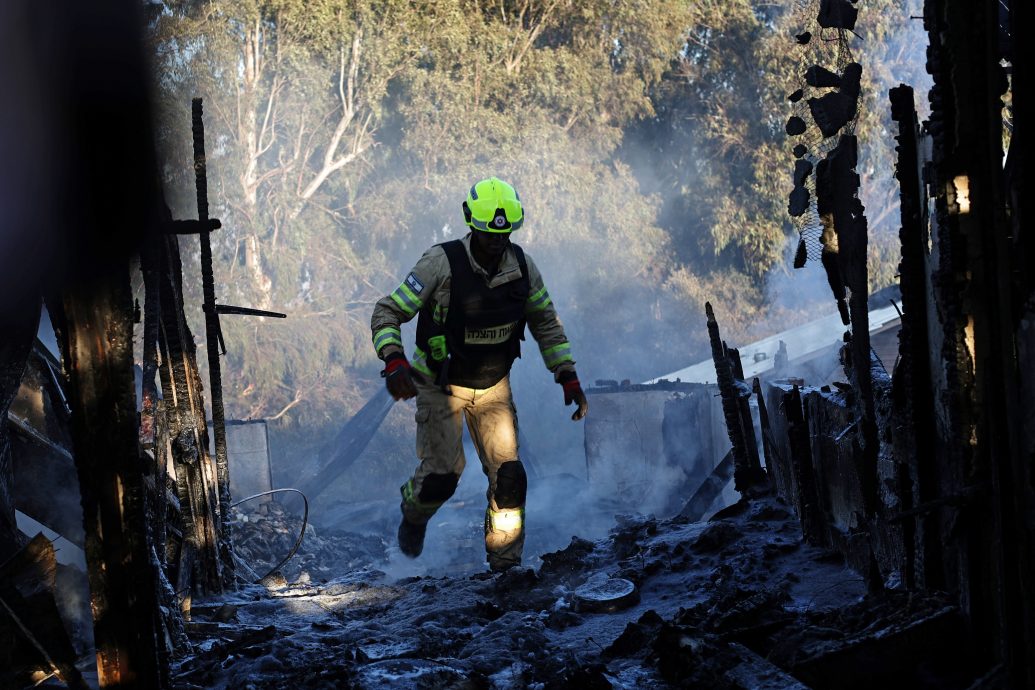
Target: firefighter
[[473, 298]]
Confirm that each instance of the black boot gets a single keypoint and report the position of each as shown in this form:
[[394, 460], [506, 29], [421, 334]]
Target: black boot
[[411, 538]]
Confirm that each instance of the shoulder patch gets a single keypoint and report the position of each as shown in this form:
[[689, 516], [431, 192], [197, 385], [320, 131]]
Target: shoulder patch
[[414, 283]]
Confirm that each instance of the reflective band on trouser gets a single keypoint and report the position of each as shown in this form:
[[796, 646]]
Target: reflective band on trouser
[[506, 520], [539, 301], [419, 363], [407, 301], [557, 354], [504, 537], [387, 336], [411, 500]]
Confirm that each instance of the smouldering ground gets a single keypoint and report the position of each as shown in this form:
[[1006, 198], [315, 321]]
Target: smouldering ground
[[701, 588]]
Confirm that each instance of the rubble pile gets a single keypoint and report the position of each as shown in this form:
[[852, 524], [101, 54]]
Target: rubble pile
[[264, 533], [736, 602]]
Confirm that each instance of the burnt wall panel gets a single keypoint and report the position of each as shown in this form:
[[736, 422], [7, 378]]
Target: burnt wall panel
[[651, 446], [249, 457]]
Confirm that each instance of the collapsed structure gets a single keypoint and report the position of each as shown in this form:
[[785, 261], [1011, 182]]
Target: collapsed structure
[[921, 474]]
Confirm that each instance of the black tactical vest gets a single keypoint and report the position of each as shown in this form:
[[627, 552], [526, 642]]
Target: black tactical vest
[[484, 326]]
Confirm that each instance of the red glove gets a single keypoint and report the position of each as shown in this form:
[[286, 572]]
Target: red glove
[[573, 394], [399, 377]]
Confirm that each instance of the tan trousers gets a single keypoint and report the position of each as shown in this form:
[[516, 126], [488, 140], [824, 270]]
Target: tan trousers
[[492, 422]]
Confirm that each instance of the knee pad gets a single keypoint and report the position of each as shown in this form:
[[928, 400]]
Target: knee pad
[[437, 488], [511, 485]]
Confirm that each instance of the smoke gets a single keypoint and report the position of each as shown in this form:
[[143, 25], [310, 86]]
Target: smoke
[[594, 231]]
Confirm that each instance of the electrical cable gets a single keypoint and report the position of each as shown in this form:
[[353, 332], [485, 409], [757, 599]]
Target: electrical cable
[[301, 534]]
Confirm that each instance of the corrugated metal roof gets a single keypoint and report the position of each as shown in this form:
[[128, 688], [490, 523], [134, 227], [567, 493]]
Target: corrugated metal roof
[[758, 357]]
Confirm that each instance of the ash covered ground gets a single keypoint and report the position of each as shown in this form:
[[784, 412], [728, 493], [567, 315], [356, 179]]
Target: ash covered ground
[[726, 603]]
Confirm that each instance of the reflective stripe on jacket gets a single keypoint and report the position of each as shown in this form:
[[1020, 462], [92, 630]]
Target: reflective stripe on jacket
[[429, 284]]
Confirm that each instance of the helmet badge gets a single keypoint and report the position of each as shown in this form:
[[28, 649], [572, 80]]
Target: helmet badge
[[499, 221]]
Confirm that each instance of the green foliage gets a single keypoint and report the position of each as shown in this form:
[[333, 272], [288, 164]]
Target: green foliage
[[645, 139]]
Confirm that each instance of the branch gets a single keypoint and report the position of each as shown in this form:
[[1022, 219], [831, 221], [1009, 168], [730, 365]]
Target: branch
[[346, 91]]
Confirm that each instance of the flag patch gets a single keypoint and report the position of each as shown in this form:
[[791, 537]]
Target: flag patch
[[414, 283]]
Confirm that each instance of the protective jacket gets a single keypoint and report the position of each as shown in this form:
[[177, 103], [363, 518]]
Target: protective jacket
[[481, 317]]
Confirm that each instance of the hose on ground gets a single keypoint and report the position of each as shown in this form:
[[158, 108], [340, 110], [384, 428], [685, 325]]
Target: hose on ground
[[301, 534]]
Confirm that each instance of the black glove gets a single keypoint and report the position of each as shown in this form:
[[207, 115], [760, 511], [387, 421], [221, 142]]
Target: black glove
[[573, 394], [399, 377]]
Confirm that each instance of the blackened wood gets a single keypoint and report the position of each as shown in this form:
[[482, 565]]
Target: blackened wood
[[730, 403], [747, 430], [192, 227], [769, 449], [248, 311], [851, 228], [912, 397], [150, 442], [19, 324], [188, 436], [990, 547], [998, 552], [27, 600], [98, 358], [1019, 183], [213, 337], [801, 462], [185, 565]]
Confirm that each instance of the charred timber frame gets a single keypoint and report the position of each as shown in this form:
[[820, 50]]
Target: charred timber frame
[[20, 326], [748, 474], [96, 337], [990, 563], [911, 389], [213, 336], [199, 564]]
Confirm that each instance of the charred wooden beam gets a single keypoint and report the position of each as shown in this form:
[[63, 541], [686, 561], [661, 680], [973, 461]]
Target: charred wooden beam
[[188, 435], [213, 336], [747, 474], [27, 602], [192, 227], [97, 347], [808, 507], [248, 311], [992, 548], [912, 395], [19, 324], [769, 447]]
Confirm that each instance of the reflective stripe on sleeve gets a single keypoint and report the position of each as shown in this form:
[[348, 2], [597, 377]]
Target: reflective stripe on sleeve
[[407, 301], [439, 316], [557, 354], [387, 336], [419, 363], [539, 301]]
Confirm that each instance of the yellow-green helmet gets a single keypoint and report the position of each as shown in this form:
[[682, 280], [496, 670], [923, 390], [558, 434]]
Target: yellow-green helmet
[[493, 206]]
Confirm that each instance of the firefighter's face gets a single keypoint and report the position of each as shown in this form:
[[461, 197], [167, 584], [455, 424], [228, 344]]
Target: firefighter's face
[[491, 243]]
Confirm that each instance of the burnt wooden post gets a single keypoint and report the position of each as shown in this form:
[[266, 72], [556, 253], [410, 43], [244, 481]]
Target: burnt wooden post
[[991, 541], [912, 396], [768, 447], [28, 608], [19, 325], [185, 414], [97, 347], [801, 462], [212, 340], [747, 473]]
